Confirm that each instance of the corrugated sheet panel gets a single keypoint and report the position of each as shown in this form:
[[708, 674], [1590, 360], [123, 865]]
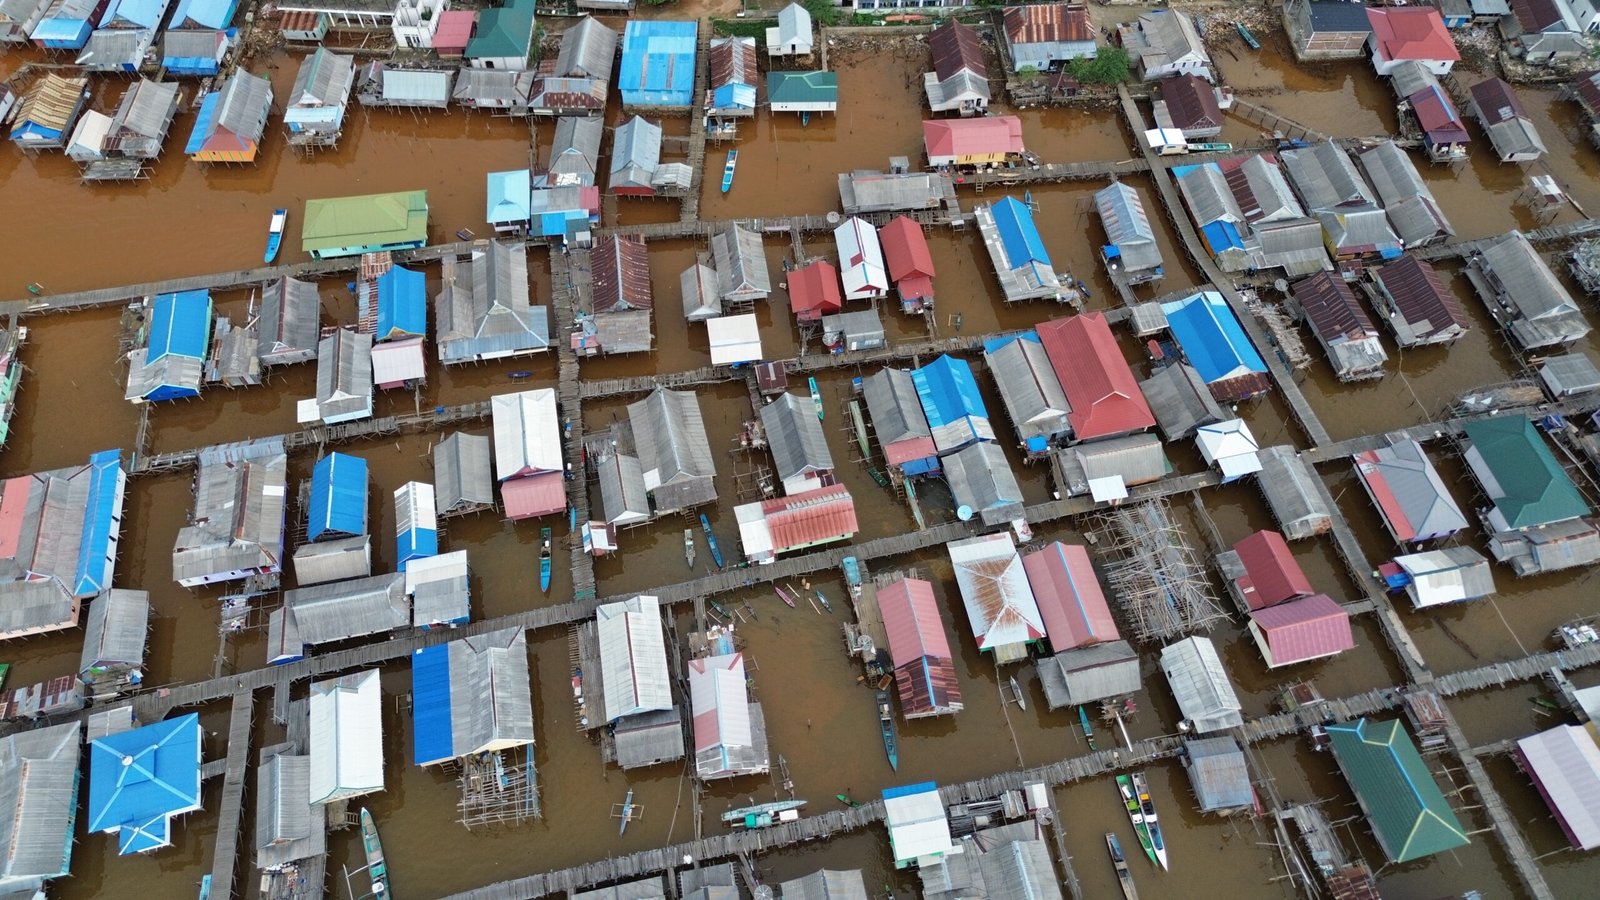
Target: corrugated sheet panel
[[338, 496]]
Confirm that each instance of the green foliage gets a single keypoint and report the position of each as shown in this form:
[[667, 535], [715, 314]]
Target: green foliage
[[823, 12], [750, 28], [659, 2], [1109, 66]]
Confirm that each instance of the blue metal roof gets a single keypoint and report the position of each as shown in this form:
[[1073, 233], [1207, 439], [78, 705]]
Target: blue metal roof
[[1211, 337], [993, 344], [430, 705], [1221, 235], [734, 96], [658, 61], [180, 325], [402, 304], [142, 13], [101, 524], [415, 543], [508, 197], [338, 497], [63, 33], [213, 14], [948, 391], [202, 121], [139, 779], [1014, 221], [909, 790]]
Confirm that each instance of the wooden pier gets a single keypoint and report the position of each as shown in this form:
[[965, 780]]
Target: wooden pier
[[1553, 234], [563, 303], [225, 855], [1266, 118]]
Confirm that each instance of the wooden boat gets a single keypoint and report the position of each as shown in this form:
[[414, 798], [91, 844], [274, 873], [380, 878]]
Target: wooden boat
[[711, 540], [5, 669], [280, 218], [727, 170], [825, 604], [1130, 800], [1248, 37], [377, 869], [763, 814], [544, 559], [627, 812], [787, 600], [878, 476], [845, 799], [816, 396], [1148, 807], [891, 741], [1088, 730], [688, 546], [205, 886], [1120, 863]]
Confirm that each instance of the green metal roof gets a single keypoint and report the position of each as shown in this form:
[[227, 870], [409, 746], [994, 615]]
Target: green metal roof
[[1537, 490], [374, 219], [803, 87], [503, 31], [1403, 804]]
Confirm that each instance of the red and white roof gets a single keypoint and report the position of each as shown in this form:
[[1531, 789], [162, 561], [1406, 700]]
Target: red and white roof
[[860, 260], [720, 702], [994, 588]]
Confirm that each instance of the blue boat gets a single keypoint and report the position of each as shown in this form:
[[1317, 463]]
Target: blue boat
[[1248, 37], [280, 218], [891, 741], [711, 540], [816, 396], [727, 170], [825, 604], [544, 560], [852, 572]]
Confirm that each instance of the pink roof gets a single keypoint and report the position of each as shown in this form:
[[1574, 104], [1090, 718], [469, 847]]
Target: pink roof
[[1100, 387], [810, 517], [455, 29], [1271, 573], [14, 508], [905, 253], [534, 495], [972, 137], [814, 291], [911, 619], [707, 701], [1412, 32], [1069, 596], [1307, 628], [901, 452]]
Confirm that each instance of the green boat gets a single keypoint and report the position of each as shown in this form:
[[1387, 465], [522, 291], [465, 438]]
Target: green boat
[[845, 799], [5, 669], [377, 869], [1130, 799]]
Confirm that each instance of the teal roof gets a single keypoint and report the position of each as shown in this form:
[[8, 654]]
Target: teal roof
[[509, 197], [1404, 806], [1534, 489], [803, 87], [505, 31]]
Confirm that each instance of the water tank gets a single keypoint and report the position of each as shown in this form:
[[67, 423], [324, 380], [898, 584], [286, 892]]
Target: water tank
[[964, 513]]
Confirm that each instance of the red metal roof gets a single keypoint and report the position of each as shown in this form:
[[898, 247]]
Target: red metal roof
[[1069, 596], [534, 495], [14, 509], [1271, 573], [1497, 102], [906, 255], [455, 30], [1191, 101], [1438, 117], [901, 452], [814, 291], [1099, 385], [621, 268], [1307, 628], [912, 621], [1412, 32], [972, 137], [811, 517]]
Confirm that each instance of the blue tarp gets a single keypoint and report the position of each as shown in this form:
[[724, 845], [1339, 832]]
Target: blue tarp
[[180, 325], [508, 200], [212, 14], [658, 61], [1018, 234], [101, 523], [138, 779], [434, 739], [415, 543], [402, 304], [338, 497], [1211, 337]]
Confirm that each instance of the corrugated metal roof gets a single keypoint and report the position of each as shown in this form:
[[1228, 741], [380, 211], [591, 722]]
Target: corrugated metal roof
[[1099, 385], [1200, 685], [237, 523], [1412, 32], [1127, 227], [288, 826], [325, 79], [1408, 492], [1293, 493], [1341, 324], [242, 107], [1271, 573], [441, 593], [825, 884], [917, 822], [1565, 763], [142, 118], [734, 339], [814, 291], [1028, 387], [496, 88], [344, 376], [669, 432], [1445, 576], [952, 403], [623, 496], [635, 153], [727, 741], [994, 589], [1520, 475], [472, 695], [1217, 771], [1308, 628], [1191, 102], [960, 139], [1090, 673], [795, 436], [633, 657], [1569, 374], [338, 497], [1211, 337], [810, 518], [1205, 190], [1294, 245], [1048, 23], [1408, 814], [860, 259], [1069, 596], [461, 472], [1325, 177], [333, 560], [115, 631], [1180, 401], [1261, 191], [741, 263], [346, 609], [896, 412], [588, 50], [911, 621], [1543, 312], [290, 322], [483, 310], [620, 266], [1406, 198], [658, 63], [346, 745], [575, 150], [527, 433], [1427, 308], [906, 255], [39, 783]]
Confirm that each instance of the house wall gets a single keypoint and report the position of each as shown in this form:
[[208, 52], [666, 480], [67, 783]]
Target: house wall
[[1311, 44], [411, 29], [316, 34], [1040, 56], [246, 155]]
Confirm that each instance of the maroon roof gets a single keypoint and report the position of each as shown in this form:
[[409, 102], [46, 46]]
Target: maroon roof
[[1421, 296], [1069, 596], [1536, 15], [814, 291], [732, 62], [1271, 573], [1303, 629], [621, 267], [1099, 385], [1438, 117], [956, 46], [1497, 102], [1048, 23], [1191, 101], [1587, 87], [1331, 308]]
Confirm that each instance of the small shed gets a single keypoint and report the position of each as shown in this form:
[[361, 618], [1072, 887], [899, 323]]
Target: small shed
[[115, 632], [919, 829], [141, 779], [1229, 446], [730, 733], [1342, 327], [1205, 696], [1569, 374], [924, 669], [1408, 813], [346, 739], [858, 329], [952, 403], [899, 423], [1294, 493], [1069, 596], [702, 300], [334, 559], [1219, 775], [910, 264], [462, 482], [1564, 763], [982, 484], [860, 260], [416, 523], [440, 590], [1301, 630], [1001, 609], [1408, 492], [472, 695], [338, 505], [814, 291], [1450, 575], [1043, 35]]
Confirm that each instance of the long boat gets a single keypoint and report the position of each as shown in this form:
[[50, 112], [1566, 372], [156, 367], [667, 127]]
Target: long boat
[[711, 540], [727, 170], [1248, 37], [1120, 863], [1148, 807], [782, 595], [1088, 730], [763, 814], [816, 396], [845, 799], [377, 869], [688, 546], [280, 218], [544, 560], [1130, 800], [891, 741], [1016, 694], [627, 813], [825, 604]]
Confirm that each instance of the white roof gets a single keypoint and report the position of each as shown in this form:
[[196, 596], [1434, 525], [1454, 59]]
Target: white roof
[[1229, 446], [346, 736], [1165, 137], [414, 508], [527, 437], [1446, 576], [717, 686], [917, 825], [91, 131], [1566, 764], [860, 260], [1107, 488], [734, 339], [394, 361], [995, 590], [430, 569], [633, 657], [754, 536]]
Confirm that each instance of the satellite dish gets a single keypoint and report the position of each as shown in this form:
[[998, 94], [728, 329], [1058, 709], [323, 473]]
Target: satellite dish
[[964, 513]]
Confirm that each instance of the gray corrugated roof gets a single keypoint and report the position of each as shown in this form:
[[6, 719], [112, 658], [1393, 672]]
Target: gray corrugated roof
[[325, 561], [868, 192], [635, 153], [1325, 176], [116, 49], [670, 435], [1295, 245], [1290, 486], [857, 326], [649, 738], [1128, 226], [325, 79], [501, 88], [825, 884], [1029, 388], [1217, 771], [980, 477], [39, 784], [288, 826], [483, 307], [1570, 373], [1205, 189], [1172, 37], [1515, 137], [1270, 190], [347, 609], [461, 472], [237, 523], [491, 694], [407, 87], [1086, 674], [1180, 400], [1010, 862], [741, 264], [1412, 208], [1200, 685], [1135, 458], [892, 402], [290, 324], [652, 888], [588, 50], [795, 436], [143, 116], [344, 373], [1353, 227], [115, 630], [622, 491], [1531, 287], [575, 150], [698, 287], [245, 104]]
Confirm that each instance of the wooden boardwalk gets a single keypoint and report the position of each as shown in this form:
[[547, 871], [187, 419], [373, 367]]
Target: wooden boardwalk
[[1051, 173], [1266, 118], [225, 856], [1554, 234], [563, 303]]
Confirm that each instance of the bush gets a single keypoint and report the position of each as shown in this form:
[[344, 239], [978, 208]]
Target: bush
[[823, 12], [1109, 66], [749, 28]]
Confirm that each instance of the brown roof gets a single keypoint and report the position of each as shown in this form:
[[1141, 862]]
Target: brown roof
[[1588, 89], [1331, 307], [1496, 102], [1048, 23], [621, 267], [1191, 101], [956, 46], [1421, 296], [733, 62], [299, 20], [1536, 15]]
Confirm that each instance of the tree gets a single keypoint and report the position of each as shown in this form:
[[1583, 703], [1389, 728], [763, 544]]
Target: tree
[[1109, 66]]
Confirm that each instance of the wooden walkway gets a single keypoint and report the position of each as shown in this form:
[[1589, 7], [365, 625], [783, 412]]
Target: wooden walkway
[[225, 855], [1051, 173], [1266, 118], [563, 303], [1554, 234]]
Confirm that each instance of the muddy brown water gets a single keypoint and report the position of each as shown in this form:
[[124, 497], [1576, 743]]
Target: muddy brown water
[[820, 720]]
